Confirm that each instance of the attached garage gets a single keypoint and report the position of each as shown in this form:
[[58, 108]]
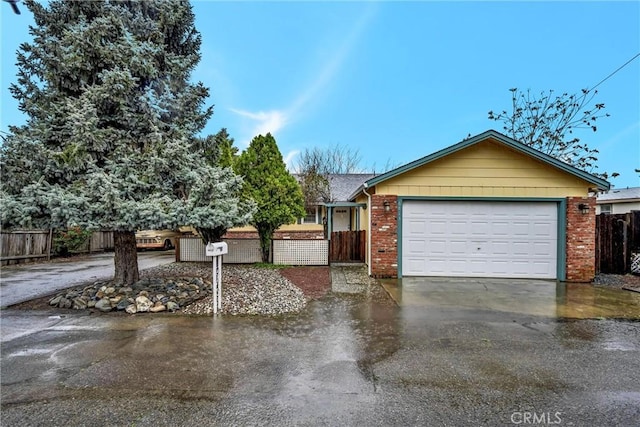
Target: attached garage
[[488, 206], [479, 239]]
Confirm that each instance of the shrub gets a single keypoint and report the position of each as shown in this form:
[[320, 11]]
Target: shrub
[[69, 240]]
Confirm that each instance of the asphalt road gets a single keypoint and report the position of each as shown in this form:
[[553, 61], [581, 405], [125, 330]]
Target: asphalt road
[[348, 360], [23, 282]]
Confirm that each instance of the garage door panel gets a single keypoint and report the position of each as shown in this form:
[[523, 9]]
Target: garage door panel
[[500, 228], [484, 239], [480, 228], [416, 227], [458, 227], [438, 247], [456, 247], [520, 228], [520, 249], [544, 229], [541, 249], [416, 246], [437, 264], [502, 247], [456, 266]]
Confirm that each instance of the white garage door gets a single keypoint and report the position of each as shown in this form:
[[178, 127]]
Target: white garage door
[[479, 239]]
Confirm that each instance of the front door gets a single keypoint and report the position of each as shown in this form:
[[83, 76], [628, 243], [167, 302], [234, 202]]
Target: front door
[[341, 219]]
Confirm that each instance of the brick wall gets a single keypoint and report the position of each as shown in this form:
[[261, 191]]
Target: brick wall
[[277, 235], [581, 239], [384, 236]]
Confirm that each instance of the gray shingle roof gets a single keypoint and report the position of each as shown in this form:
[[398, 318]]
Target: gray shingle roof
[[343, 185], [618, 194]]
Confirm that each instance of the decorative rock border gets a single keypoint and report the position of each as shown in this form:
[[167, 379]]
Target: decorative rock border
[[246, 290], [147, 295]]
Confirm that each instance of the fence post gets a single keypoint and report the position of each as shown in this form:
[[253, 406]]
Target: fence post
[[49, 244]]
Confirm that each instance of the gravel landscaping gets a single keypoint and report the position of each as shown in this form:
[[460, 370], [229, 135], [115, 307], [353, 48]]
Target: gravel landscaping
[[629, 282], [186, 288]]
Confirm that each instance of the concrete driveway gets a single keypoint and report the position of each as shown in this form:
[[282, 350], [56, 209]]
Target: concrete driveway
[[23, 282], [347, 360], [503, 297]]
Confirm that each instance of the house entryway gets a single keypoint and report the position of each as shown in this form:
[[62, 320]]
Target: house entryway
[[341, 219], [347, 246]]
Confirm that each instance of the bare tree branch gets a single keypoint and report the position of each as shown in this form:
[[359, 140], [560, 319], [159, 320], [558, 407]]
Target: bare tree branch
[[548, 124]]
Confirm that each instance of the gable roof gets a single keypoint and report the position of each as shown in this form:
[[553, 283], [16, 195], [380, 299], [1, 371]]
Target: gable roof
[[619, 195], [343, 185], [490, 134]]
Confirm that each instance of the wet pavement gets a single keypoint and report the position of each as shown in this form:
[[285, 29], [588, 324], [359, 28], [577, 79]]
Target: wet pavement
[[546, 298], [451, 353], [22, 282]]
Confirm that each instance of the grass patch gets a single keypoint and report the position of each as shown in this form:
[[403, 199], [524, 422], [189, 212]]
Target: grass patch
[[270, 266]]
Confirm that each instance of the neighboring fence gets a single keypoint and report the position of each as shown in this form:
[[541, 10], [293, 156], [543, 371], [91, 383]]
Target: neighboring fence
[[25, 244], [348, 246], [99, 241], [247, 251], [617, 242]]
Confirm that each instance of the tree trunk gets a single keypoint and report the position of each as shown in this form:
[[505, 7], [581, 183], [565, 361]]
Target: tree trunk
[[125, 257], [266, 235], [212, 235]]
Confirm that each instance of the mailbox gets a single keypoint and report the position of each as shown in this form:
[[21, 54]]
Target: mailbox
[[216, 249]]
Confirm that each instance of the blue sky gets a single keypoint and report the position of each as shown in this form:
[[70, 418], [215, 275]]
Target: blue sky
[[399, 80]]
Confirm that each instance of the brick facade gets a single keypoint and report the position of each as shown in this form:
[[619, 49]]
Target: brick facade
[[384, 236], [581, 240], [302, 235]]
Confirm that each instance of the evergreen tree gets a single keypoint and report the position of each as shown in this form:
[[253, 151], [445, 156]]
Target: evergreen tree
[[112, 116], [228, 152], [276, 192], [218, 151]]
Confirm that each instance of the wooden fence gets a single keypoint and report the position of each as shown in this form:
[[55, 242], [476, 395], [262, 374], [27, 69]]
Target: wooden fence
[[99, 241], [25, 245], [347, 246], [617, 242]]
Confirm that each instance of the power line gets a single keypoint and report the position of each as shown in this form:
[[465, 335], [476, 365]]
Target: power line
[[610, 75]]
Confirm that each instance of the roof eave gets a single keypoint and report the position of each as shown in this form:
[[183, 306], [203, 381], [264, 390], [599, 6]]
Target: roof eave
[[600, 183]]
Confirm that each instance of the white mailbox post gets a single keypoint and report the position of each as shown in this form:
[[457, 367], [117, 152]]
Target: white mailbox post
[[216, 250]]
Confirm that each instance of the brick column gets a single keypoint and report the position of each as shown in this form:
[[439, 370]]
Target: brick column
[[581, 238], [384, 236]]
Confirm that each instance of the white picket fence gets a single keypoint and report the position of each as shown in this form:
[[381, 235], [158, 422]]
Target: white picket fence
[[247, 251]]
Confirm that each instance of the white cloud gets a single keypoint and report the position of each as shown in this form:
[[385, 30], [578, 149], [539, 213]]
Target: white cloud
[[289, 158], [268, 122], [333, 65]]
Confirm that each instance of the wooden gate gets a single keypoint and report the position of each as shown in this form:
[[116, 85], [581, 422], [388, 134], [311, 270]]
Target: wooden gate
[[617, 237], [347, 246]]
